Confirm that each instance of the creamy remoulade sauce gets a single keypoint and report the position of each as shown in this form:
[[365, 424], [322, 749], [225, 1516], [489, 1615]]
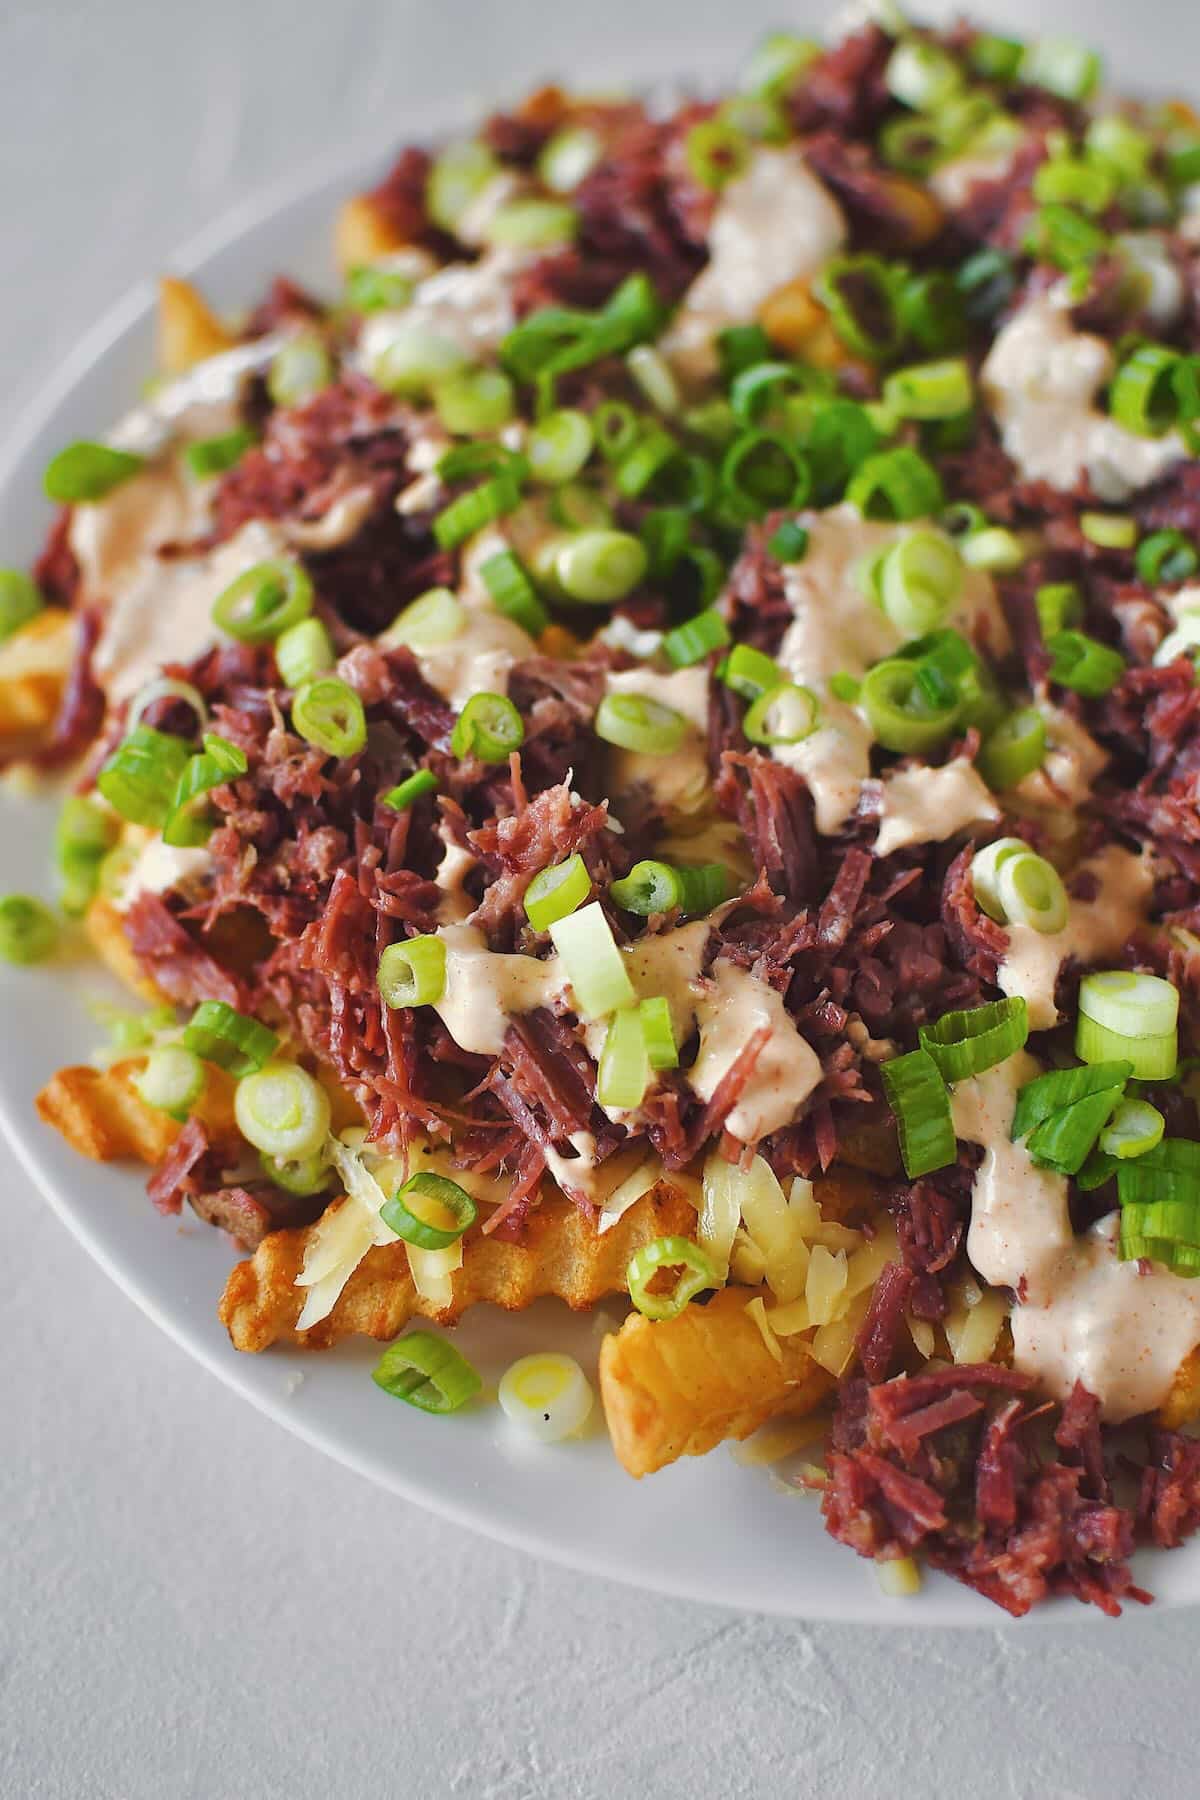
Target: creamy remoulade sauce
[[838, 629], [1080, 1314], [1042, 379]]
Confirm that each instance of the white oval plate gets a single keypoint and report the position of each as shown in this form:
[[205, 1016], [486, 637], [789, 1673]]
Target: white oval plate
[[705, 1529]]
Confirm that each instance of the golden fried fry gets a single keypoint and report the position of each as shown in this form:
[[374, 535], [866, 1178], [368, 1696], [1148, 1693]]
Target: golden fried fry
[[363, 233], [561, 1254], [681, 1386], [188, 329], [102, 1115], [34, 664], [1182, 1403], [107, 935]]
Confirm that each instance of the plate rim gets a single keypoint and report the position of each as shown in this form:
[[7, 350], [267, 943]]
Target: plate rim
[[855, 1604]]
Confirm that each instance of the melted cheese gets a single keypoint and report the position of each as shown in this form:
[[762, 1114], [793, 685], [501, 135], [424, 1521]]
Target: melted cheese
[[838, 628], [773, 224], [1042, 379], [927, 806], [159, 866], [1081, 1313], [1094, 929]]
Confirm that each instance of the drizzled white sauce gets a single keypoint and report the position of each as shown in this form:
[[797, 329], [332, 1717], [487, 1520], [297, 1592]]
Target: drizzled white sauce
[[1042, 379], [158, 867], [786, 1070], [679, 782], [1081, 1314], [1094, 929], [455, 904], [469, 303], [952, 181], [202, 402], [485, 989], [927, 806], [341, 522], [478, 660], [1073, 761], [838, 628], [773, 224]]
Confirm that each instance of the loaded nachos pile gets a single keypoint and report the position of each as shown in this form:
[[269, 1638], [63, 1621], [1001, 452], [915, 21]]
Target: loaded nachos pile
[[649, 748]]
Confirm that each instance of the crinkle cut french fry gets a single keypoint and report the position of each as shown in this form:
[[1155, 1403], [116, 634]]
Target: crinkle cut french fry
[[681, 1386], [561, 1254], [34, 664], [102, 1115], [188, 329]]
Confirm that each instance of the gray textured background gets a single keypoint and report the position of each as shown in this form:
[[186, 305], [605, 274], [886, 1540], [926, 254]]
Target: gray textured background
[[193, 1603]]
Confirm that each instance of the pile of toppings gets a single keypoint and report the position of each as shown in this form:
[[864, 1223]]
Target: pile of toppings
[[690, 663]]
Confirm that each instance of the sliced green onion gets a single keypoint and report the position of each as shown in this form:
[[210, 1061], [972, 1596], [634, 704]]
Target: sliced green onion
[[600, 567], [750, 672], [412, 973], [995, 58], [187, 824], [697, 638], [221, 1035], [429, 1211], [617, 428], [786, 714], [985, 869], [577, 506], [1064, 1141], [763, 384], [372, 288], [533, 224], [777, 62], [921, 75], [715, 152], [1134, 1128], [1059, 605], [963, 1044], [637, 722], [705, 885], [546, 1396], [920, 1104], [568, 158], [1181, 155], [1031, 892], [401, 797], [1083, 664], [933, 311], [760, 471], [1130, 1003], [1166, 557], [1061, 66], [299, 369], [788, 543], [558, 446], [426, 1371], [658, 1032], [305, 1175], [20, 601], [1065, 238], [1109, 531], [83, 836], [470, 512], [997, 551], [900, 714], [474, 401], [172, 1080], [1061, 1089], [282, 1111], [741, 347], [458, 176], [434, 617], [1154, 1056], [1096, 1171], [28, 929], [416, 359], [986, 282], [87, 471], [652, 452], [513, 592], [328, 714], [896, 484], [264, 601], [594, 966], [1142, 396], [1069, 181], [919, 581], [652, 372], [859, 293], [215, 455], [140, 777], [482, 457], [489, 727], [915, 145], [680, 1253], [302, 651], [624, 1070], [557, 892], [649, 887], [935, 390], [845, 687], [1014, 749]]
